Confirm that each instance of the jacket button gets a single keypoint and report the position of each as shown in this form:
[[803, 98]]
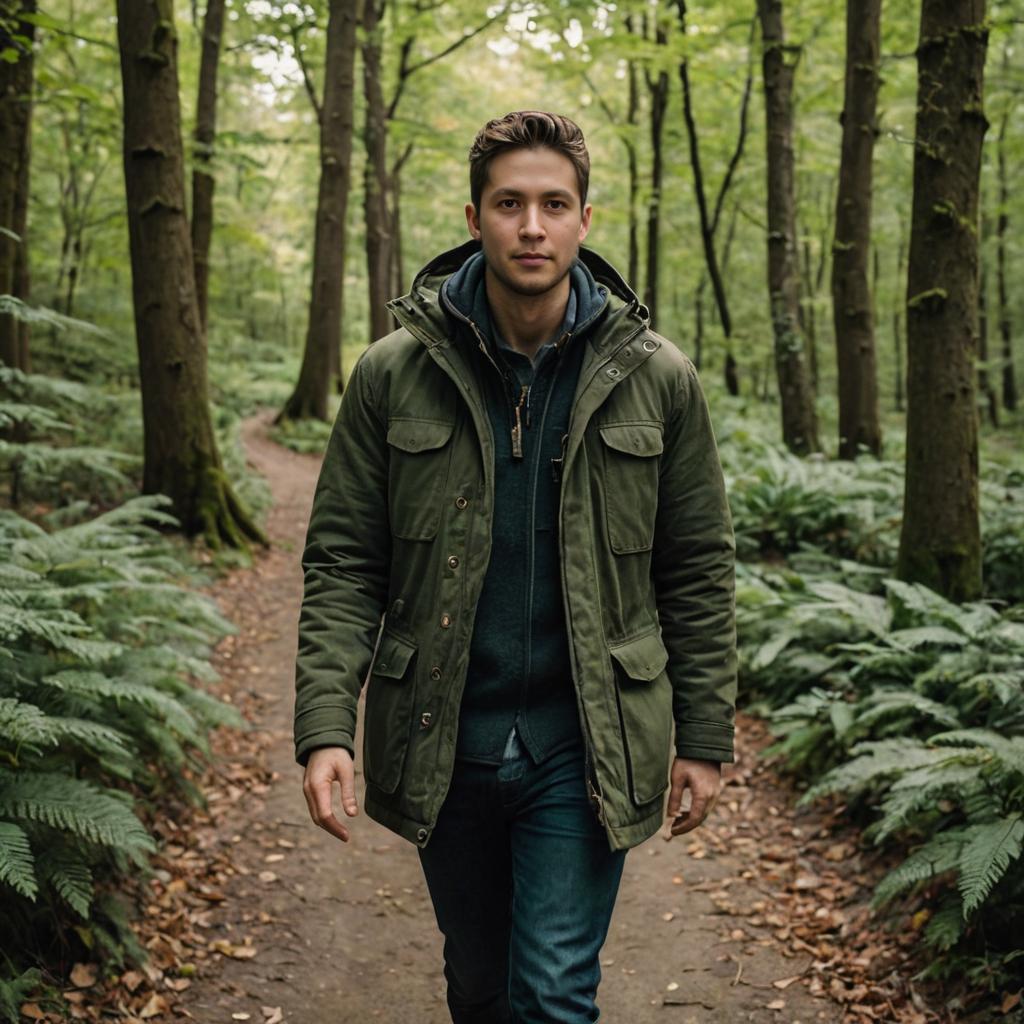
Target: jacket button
[[425, 720], [435, 673], [461, 502], [446, 621], [453, 562], [422, 834]]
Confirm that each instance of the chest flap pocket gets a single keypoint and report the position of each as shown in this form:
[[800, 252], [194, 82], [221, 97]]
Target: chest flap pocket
[[420, 455], [631, 464]]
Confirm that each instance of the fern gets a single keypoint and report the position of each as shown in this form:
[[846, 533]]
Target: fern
[[67, 871], [15, 991], [75, 806], [16, 863], [988, 851]]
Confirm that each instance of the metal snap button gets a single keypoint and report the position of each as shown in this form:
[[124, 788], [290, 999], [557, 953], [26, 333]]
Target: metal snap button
[[453, 562], [422, 834], [446, 621], [425, 720], [435, 673], [613, 372], [650, 346], [461, 502]]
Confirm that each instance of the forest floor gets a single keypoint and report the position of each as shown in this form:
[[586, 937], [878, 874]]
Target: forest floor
[[256, 914]]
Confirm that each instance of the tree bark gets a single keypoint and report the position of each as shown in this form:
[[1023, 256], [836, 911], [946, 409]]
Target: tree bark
[[940, 544], [897, 327], [16, 82], [180, 451], [632, 109], [657, 86], [799, 418], [375, 174], [1002, 225], [203, 181], [321, 356], [852, 310]]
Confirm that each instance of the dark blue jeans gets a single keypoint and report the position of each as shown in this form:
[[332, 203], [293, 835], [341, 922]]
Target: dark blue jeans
[[523, 884]]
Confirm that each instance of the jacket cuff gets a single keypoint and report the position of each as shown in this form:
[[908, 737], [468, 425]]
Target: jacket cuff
[[705, 741], [331, 724]]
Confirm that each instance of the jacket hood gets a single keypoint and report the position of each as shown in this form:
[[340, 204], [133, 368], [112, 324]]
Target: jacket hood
[[424, 306]]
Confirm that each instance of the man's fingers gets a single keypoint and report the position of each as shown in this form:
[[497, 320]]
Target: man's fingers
[[698, 811], [675, 797], [347, 777]]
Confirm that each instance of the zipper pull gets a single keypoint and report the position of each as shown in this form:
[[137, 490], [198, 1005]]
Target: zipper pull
[[517, 430], [529, 389]]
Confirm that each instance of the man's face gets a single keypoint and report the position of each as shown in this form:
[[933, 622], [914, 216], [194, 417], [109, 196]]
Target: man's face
[[530, 221]]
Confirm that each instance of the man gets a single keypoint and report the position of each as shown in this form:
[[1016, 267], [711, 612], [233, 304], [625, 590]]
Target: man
[[524, 482]]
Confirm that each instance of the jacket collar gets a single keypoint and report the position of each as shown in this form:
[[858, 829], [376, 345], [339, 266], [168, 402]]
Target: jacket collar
[[424, 312]]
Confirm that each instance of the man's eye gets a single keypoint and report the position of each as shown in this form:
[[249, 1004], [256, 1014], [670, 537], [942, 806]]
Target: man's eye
[[507, 204], [556, 204]]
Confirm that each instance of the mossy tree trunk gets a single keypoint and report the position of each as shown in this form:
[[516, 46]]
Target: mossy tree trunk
[[180, 451], [940, 543], [852, 309], [321, 358], [203, 181], [799, 418], [16, 83], [1002, 229]]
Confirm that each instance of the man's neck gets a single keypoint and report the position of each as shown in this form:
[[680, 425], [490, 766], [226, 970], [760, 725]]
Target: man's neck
[[526, 322]]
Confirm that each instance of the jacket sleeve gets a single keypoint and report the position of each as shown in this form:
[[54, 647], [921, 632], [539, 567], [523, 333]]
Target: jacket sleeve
[[345, 567], [694, 577]]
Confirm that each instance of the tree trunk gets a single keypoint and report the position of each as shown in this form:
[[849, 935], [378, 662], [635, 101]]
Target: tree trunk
[[16, 81], [180, 451], [375, 175], [940, 544], [897, 328], [799, 418], [632, 109], [321, 358], [203, 181], [985, 388], [852, 310], [657, 86], [1002, 224]]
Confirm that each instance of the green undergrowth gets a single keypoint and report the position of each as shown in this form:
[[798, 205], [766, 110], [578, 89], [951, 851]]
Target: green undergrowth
[[884, 695]]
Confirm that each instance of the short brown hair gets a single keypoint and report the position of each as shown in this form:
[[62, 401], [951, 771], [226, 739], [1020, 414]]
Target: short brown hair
[[527, 129]]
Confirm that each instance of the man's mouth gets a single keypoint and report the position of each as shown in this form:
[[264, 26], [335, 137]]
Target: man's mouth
[[531, 259]]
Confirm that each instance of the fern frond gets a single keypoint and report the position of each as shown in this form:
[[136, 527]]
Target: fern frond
[[988, 851], [68, 872], [945, 927], [939, 855], [77, 807], [16, 862]]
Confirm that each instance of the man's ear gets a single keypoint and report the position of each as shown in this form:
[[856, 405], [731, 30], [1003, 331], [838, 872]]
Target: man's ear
[[585, 222], [472, 220]]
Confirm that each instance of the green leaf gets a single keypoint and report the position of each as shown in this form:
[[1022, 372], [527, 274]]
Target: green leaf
[[16, 864], [987, 853]]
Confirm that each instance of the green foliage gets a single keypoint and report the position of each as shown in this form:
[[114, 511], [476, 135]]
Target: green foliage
[[102, 650]]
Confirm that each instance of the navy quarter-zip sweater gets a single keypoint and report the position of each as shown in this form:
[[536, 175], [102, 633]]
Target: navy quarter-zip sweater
[[519, 670]]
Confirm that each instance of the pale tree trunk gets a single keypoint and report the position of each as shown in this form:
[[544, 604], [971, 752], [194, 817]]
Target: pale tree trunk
[[1002, 226], [852, 309], [799, 418], [897, 326], [203, 181], [180, 451], [375, 175], [940, 543], [16, 81], [323, 335]]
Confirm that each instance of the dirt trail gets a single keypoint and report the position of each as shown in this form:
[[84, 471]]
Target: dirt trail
[[347, 933]]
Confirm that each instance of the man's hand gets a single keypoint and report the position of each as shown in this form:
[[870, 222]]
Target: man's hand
[[704, 781], [326, 766]]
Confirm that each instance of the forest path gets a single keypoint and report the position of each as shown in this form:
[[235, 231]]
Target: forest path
[[347, 932]]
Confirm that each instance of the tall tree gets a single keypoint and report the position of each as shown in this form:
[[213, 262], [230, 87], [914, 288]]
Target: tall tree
[[375, 173], [203, 181], [799, 418], [17, 35], [657, 88], [1002, 228], [709, 221], [940, 542], [852, 309], [323, 334], [180, 451]]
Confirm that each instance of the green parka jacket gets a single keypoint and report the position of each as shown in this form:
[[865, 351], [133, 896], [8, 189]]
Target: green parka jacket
[[400, 529]]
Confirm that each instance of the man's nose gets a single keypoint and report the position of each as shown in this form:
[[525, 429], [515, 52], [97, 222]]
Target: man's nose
[[531, 225]]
